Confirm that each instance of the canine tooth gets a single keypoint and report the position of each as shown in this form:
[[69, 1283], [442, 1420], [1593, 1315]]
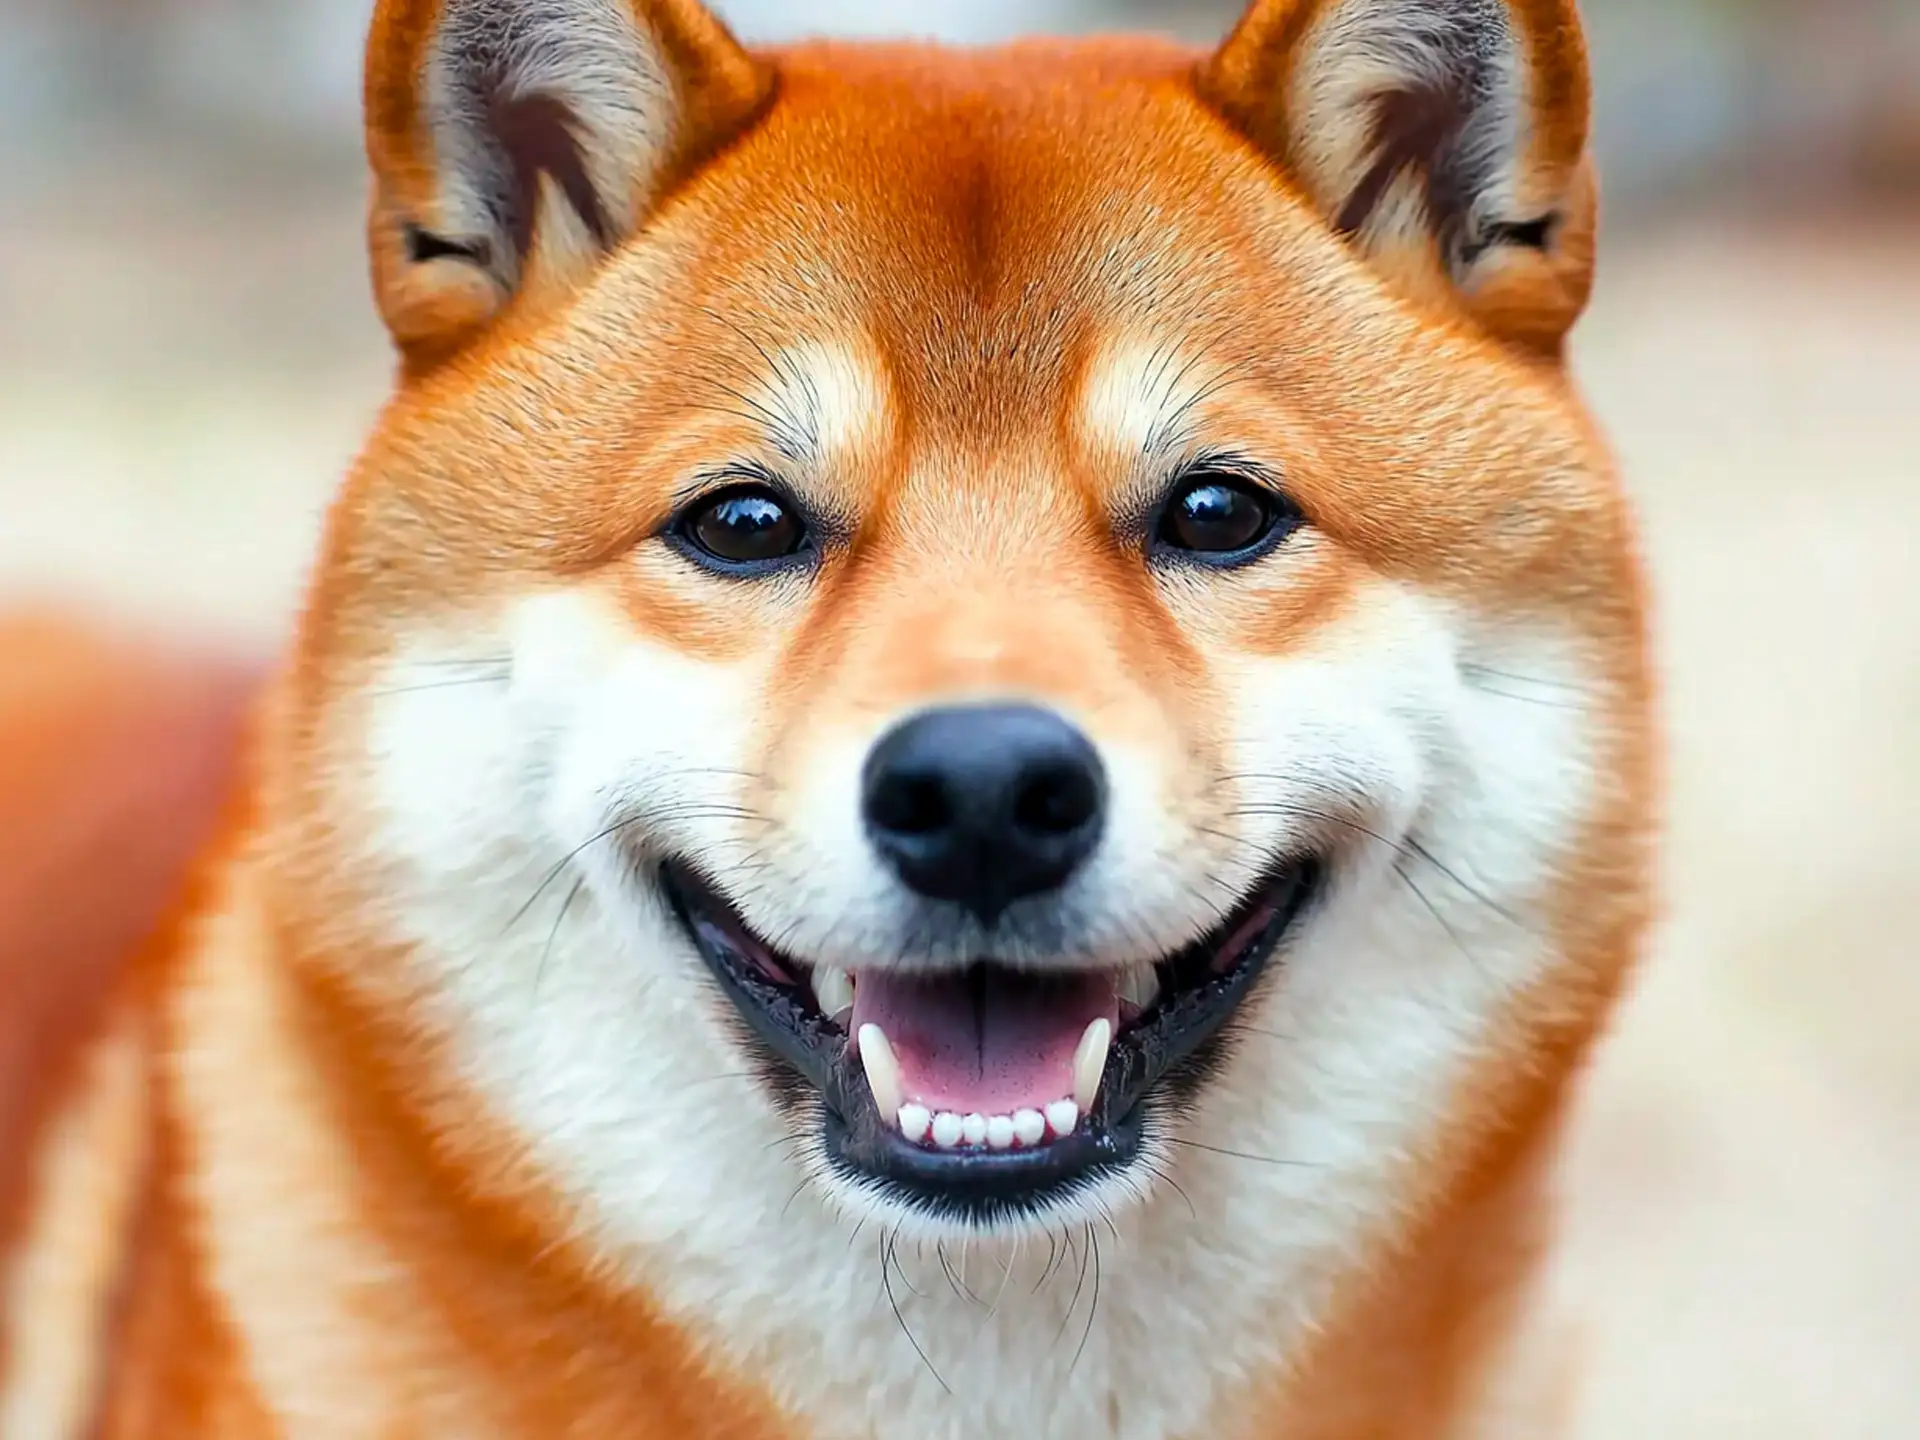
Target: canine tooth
[[946, 1129], [915, 1121], [1090, 1062], [1029, 1126], [1063, 1115], [883, 1070], [1000, 1132], [973, 1129], [833, 989], [1140, 986]]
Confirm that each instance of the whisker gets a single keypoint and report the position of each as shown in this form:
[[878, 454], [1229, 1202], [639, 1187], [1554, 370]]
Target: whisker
[[886, 1281], [1006, 1276], [1162, 1174], [1199, 397], [1078, 1285], [1093, 1308], [919, 1253], [1243, 1155], [499, 679], [1164, 426], [1408, 847], [794, 1196], [1053, 1260], [1241, 1029], [451, 661], [954, 1282], [546, 952], [1498, 692], [1434, 910], [1569, 687], [555, 873]]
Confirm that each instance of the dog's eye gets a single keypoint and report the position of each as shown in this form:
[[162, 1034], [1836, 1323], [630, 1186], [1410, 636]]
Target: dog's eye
[[749, 526], [1223, 517]]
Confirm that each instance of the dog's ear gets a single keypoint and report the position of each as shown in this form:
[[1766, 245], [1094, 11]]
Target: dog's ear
[[515, 142], [1445, 139]]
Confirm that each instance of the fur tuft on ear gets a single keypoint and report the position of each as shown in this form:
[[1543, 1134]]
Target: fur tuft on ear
[[1446, 139], [515, 142]]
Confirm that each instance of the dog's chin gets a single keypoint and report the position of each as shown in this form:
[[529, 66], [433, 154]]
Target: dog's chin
[[988, 1096]]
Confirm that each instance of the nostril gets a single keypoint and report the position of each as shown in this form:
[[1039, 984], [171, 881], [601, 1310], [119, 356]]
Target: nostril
[[1057, 801], [912, 805], [983, 805]]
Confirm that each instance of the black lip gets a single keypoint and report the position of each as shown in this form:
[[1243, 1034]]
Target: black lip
[[1169, 1049]]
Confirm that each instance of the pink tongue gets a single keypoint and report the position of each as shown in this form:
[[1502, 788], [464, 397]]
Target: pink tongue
[[986, 1042]]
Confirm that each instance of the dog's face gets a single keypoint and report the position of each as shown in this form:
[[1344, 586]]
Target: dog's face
[[984, 640]]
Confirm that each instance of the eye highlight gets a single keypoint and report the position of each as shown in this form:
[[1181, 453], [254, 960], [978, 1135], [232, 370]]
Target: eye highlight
[[744, 530], [1222, 518]]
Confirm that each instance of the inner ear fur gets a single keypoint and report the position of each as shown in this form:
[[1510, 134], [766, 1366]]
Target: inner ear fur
[[514, 143], [1446, 140]]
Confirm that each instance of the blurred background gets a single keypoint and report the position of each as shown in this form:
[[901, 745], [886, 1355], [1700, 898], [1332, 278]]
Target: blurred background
[[188, 357]]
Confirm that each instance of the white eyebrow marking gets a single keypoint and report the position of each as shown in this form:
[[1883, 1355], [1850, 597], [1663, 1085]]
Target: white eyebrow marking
[[822, 401], [1142, 401]]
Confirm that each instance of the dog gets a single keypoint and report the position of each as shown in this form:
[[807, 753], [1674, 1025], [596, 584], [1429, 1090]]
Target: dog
[[972, 755]]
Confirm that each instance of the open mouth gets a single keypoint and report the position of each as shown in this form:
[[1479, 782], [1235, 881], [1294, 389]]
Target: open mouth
[[991, 1091]]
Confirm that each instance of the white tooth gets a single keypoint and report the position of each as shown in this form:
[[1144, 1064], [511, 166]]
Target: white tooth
[[1063, 1115], [946, 1129], [1029, 1126], [833, 989], [973, 1129], [1090, 1062], [1140, 986], [1000, 1132], [883, 1071], [915, 1121]]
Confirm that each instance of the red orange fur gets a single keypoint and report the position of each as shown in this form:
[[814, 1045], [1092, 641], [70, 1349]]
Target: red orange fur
[[324, 1224]]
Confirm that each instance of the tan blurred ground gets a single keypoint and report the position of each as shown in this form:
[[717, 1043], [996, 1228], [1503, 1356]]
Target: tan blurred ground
[[178, 394]]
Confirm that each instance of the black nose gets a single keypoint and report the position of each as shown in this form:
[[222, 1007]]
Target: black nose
[[983, 805]]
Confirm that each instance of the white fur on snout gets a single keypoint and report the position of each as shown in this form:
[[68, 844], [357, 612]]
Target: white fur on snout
[[587, 1020], [830, 893]]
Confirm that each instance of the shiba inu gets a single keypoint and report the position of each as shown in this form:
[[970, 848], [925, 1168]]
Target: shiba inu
[[973, 755]]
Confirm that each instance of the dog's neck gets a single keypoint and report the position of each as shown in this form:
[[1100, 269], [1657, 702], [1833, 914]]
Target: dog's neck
[[367, 1278]]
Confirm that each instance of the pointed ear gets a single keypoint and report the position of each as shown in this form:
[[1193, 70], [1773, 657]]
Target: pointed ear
[[515, 142], [1446, 139]]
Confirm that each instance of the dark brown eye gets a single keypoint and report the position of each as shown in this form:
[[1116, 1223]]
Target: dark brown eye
[[1222, 517], [749, 527]]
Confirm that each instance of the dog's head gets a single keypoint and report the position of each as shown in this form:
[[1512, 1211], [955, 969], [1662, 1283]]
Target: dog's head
[[974, 637]]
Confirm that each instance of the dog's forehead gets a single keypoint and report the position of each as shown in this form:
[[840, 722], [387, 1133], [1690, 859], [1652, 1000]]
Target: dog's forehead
[[988, 254]]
